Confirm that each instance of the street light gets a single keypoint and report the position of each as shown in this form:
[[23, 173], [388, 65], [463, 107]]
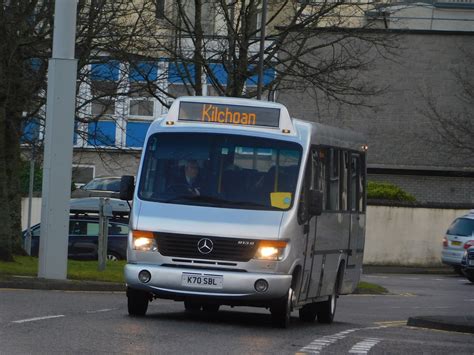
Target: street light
[[60, 108], [262, 49]]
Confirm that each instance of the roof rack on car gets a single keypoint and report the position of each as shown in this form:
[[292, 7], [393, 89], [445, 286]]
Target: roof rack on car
[[90, 205]]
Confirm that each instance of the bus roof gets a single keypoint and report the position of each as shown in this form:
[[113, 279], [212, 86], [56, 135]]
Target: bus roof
[[272, 117]]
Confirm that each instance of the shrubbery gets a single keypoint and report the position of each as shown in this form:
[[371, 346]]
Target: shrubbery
[[25, 178], [387, 191]]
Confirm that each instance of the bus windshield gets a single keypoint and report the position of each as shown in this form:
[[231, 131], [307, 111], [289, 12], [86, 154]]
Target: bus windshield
[[220, 170]]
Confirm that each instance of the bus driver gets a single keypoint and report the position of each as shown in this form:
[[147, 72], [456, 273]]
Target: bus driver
[[188, 179]]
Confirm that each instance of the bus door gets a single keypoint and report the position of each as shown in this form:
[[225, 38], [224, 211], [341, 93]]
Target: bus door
[[314, 260], [312, 263], [357, 229]]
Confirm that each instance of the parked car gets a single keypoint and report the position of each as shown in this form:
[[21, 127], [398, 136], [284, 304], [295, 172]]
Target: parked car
[[467, 264], [459, 237], [83, 238], [105, 186]]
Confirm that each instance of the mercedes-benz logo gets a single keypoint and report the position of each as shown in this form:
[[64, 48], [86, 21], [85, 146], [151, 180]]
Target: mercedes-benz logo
[[205, 246]]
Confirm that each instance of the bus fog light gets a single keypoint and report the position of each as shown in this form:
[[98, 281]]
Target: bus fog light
[[261, 285], [144, 276]]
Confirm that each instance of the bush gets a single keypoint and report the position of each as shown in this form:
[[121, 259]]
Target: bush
[[387, 191], [25, 178]]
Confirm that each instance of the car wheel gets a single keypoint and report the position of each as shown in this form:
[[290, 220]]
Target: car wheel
[[191, 306], [137, 302], [470, 278], [308, 312], [281, 311], [458, 270], [111, 256]]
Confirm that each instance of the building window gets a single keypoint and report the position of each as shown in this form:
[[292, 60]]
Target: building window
[[268, 76], [104, 84], [82, 174], [30, 132], [101, 133], [160, 9], [141, 102], [136, 133]]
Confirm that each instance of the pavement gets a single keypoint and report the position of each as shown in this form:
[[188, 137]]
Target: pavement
[[463, 324]]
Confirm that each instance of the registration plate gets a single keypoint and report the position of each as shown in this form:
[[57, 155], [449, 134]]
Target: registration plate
[[455, 243], [471, 262], [202, 280]]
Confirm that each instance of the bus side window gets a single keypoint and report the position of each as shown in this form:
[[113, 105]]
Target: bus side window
[[333, 180], [362, 183], [320, 172], [354, 185], [303, 207], [344, 173]]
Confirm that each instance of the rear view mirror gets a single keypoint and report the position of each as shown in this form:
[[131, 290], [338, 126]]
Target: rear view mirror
[[315, 202], [127, 186]]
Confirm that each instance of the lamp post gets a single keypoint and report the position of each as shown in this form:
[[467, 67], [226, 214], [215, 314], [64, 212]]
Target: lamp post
[[60, 108], [262, 49]]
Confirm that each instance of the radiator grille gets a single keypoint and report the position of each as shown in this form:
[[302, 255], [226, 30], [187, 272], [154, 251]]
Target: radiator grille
[[186, 246]]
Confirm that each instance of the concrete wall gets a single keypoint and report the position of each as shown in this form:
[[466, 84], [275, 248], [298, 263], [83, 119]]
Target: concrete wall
[[406, 236], [395, 235], [35, 212]]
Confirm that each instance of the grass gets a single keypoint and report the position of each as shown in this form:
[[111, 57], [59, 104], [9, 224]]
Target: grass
[[87, 270], [369, 288], [76, 270]]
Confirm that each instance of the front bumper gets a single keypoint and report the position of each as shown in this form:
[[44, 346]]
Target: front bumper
[[237, 286]]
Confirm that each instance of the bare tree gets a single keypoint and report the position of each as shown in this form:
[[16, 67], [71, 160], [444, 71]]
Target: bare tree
[[103, 29], [308, 44], [202, 46], [453, 120]]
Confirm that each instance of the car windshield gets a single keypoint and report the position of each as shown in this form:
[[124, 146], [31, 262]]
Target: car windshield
[[220, 170], [462, 227], [105, 184]]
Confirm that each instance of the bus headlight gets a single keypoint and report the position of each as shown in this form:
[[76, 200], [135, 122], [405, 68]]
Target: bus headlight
[[144, 241], [271, 250]]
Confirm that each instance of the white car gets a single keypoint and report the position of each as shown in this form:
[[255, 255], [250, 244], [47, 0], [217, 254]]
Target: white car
[[459, 237]]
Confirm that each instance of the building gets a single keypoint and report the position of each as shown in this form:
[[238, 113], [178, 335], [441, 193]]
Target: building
[[434, 42]]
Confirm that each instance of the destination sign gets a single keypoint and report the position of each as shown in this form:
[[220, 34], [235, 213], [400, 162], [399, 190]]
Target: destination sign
[[229, 114]]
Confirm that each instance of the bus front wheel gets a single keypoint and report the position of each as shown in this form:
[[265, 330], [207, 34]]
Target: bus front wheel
[[281, 311], [137, 302], [327, 309]]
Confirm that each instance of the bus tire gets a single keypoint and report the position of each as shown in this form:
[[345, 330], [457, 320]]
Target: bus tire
[[211, 307], [191, 306], [137, 302], [309, 312], [281, 311], [327, 309]]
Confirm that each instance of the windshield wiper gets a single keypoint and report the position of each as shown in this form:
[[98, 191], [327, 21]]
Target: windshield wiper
[[247, 203], [199, 198]]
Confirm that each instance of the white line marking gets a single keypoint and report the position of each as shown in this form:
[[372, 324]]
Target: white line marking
[[410, 278], [363, 347], [101, 310], [37, 318], [469, 300], [317, 345]]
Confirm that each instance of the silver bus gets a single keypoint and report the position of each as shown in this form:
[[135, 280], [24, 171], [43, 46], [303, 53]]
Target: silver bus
[[236, 203]]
